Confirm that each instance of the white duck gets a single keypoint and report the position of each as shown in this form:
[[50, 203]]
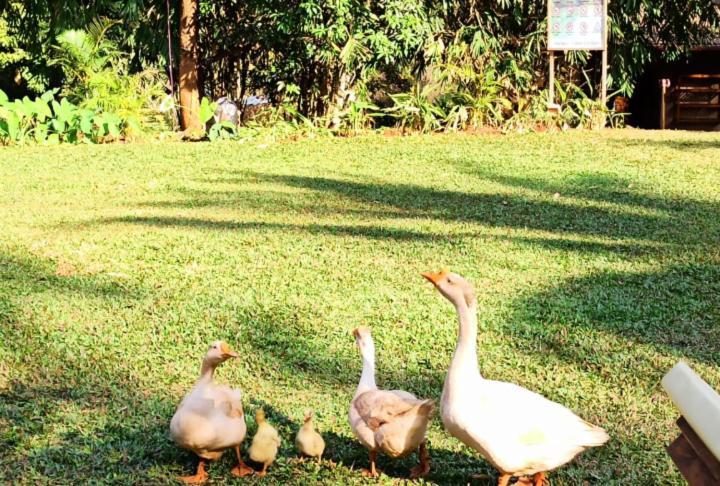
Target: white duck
[[210, 418], [391, 421], [520, 432]]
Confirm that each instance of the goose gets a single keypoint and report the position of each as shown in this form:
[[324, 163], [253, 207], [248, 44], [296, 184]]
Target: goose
[[520, 432], [210, 418], [393, 422]]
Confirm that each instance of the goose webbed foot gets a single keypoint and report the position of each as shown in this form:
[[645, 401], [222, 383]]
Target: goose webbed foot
[[199, 477], [422, 469]]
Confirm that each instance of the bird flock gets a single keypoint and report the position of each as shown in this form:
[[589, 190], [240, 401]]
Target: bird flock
[[521, 433]]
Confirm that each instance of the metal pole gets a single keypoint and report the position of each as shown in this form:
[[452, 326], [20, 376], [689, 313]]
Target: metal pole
[[603, 81], [551, 90], [662, 105]]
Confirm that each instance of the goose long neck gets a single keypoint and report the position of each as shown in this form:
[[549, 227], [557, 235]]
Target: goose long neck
[[206, 371], [465, 357], [367, 378]]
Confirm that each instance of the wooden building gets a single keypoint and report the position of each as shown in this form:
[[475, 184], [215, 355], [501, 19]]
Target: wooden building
[[680, 95]]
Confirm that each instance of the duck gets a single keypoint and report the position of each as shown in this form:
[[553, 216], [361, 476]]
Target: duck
[[210, 417], [265, 443], [393, 422], [308, 441], [520, 432]]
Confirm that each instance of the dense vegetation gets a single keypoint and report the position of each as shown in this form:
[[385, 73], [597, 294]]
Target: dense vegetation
[[461, 64], [595, 257]]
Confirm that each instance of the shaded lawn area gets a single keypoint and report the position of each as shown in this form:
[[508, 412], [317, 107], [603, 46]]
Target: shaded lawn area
[[595, 256]]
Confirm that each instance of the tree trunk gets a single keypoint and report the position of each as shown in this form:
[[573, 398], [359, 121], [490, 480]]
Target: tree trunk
[[189, 94]]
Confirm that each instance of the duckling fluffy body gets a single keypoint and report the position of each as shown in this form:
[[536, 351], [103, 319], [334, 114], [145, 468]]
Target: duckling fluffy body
[[308, 441], [265, 444]]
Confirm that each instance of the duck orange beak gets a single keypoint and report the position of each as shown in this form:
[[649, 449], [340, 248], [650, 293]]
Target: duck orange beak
[[227, 351], [435, 277]]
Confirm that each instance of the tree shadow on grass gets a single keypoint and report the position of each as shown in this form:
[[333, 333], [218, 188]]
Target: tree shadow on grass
[[607, 188], [518, 211], [96, 434], [643, 144], [344, 451], [361, 231], [278, 336], [99, 426], [588, 206], [595, 321]]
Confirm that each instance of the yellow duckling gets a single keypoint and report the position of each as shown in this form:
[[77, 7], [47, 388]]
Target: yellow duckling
[[265, 444], [307, 441]]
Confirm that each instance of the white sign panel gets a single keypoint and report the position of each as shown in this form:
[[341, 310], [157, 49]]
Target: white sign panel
[[576, 25]]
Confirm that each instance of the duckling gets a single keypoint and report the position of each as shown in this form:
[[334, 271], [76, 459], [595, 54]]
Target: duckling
[[265, 444], [307, 441], [210, 418]]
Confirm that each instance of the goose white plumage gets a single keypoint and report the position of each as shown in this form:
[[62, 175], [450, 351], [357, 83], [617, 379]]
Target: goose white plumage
[[393, 422], [521, 433], [210, 418]]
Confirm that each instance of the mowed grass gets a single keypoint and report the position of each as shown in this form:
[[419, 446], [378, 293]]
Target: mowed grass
[[595, 257]]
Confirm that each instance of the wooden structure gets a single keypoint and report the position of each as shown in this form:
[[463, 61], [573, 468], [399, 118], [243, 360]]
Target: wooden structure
[[683, 94], [695, 101], [697, 448]]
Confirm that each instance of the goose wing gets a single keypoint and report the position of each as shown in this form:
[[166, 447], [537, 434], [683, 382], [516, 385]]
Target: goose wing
[[377, 407]]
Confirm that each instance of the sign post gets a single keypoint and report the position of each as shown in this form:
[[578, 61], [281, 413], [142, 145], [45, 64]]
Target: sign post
[[577, 25]]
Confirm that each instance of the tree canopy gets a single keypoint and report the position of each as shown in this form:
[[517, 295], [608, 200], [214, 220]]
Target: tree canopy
[[315, 52]]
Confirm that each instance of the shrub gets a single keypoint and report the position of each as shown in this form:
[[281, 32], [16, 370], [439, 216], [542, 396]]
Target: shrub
[[97, 78], [46, 119]]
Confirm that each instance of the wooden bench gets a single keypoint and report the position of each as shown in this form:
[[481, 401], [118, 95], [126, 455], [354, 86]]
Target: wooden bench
[[697, 449]]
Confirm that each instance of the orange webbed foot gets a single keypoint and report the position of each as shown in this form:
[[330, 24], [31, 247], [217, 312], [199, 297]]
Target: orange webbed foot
[[369, 474], [199, 477], [242, 470], [195, 479]]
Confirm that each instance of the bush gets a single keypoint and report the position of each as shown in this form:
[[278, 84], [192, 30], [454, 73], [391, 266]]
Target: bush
[[46, 119], [97, 78]]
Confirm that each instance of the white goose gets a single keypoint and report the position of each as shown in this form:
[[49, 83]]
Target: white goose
[[520, 432], [391, 421]]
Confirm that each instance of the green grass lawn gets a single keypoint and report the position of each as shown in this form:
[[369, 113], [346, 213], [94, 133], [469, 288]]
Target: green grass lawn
[[596, 259]]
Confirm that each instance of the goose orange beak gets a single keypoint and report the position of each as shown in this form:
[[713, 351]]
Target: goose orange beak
[[434, 277], [227, 351], [359, 331]]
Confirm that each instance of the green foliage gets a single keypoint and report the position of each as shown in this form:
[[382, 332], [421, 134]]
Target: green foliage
[[486, 59], [323, 48], [416, 110], [223, 130], [97, 78], [207, 110], [47, 120], [33, 25], [358, 115]]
